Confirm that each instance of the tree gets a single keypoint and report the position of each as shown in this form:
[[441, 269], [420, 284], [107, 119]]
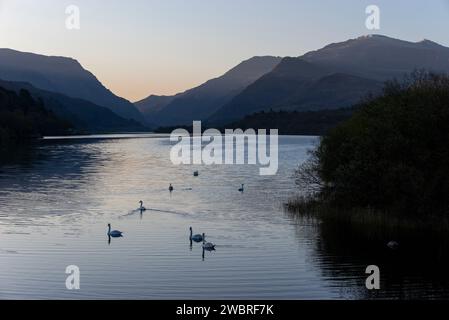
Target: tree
[[393, 153]]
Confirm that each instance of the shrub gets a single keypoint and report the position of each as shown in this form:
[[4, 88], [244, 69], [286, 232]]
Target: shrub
[[393, 154]]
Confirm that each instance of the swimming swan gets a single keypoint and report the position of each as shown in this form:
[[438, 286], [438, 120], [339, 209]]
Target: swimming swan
[[207, 245], [242, 188], [196, 238], [142, 208], [115, 233], [393, 245], [171, 188], [196, 174]]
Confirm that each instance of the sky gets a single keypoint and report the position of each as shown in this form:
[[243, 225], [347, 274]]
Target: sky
[[142, 47]]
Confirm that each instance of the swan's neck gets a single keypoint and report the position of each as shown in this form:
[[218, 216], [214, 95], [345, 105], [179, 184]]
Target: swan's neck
[[191, 233], [109, 229]]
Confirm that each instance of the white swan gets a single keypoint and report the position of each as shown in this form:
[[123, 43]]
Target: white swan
[[393, 245], [207, 245], [196, 238], [115, 233], [242, 188], [142, 208]]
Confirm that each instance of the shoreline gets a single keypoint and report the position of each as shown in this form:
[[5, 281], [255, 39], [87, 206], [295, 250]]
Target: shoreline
[[383, 221]]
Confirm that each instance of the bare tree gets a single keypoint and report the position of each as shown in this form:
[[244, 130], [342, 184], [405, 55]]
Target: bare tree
[[307, 176]]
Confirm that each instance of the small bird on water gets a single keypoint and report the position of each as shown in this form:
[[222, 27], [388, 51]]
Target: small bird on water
[[208, 245], [393, 245]]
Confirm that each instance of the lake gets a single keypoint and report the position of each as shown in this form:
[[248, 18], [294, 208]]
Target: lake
[[56, 202]]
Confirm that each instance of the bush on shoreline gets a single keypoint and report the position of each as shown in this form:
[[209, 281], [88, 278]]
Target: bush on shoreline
[[391, 157]]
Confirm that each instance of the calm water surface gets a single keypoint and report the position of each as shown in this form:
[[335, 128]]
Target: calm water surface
[[56, 202]]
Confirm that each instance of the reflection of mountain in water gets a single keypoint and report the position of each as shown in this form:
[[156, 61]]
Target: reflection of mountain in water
[[417, 270], [49, 174]]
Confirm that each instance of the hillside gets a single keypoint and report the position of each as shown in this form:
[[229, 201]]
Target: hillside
[[65, 76], [23, 118], [201, 102], [85, 116]]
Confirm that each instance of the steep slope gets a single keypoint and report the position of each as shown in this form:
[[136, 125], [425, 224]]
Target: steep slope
[[289, 77], [62, 75], [349, 70], [82, 114], [152, 105], [23, 118], [201, 102], [334, 91]]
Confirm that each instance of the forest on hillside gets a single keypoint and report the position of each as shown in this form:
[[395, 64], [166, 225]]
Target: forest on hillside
[[23, 119]]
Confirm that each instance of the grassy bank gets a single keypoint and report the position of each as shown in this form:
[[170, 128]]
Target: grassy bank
[[369, 221]]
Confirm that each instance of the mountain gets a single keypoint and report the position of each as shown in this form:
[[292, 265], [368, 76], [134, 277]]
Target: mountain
[[380, 57], [82, 114], [336, 76], [201, 102], [153, 106], [65, 76]]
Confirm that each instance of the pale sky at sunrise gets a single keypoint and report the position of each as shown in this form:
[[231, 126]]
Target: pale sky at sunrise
[[142, 47]]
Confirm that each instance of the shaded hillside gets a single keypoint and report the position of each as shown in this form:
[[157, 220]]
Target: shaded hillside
[[65, 76], [201, 102], [85, 116], [23, 118], [313, 123], [152, 106], [334, 77], [331, 91]]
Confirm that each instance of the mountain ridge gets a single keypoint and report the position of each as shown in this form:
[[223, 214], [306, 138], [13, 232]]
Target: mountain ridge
[[62, 75], [202, 101], [84, 115], [371, 60]]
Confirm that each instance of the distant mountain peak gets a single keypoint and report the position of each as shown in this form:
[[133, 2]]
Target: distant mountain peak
[[337, 75], [430, 43], [373, 35], [372, 40]]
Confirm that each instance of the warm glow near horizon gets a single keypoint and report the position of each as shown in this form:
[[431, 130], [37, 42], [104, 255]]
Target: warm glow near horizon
[[140, 47]]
